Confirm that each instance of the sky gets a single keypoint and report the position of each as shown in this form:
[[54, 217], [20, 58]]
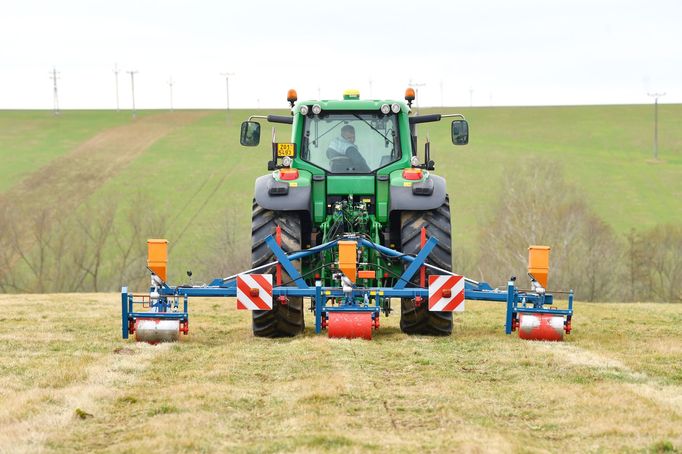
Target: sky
[[456, 53]]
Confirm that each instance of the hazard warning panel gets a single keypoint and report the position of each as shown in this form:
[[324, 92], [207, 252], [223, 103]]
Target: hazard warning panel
[[254, 292], [446, 293]]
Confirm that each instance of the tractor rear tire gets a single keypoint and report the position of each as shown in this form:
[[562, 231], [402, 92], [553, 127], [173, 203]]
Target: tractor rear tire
[[417, 319], [284, 320]]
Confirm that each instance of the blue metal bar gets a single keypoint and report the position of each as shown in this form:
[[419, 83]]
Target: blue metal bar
[[481, 286], [485, 295], [387, 251], [160, 315], [124, 312], [388, 292], [318, 307], [533, 310], [416, 263], [314, 250], [570, 301], [285, 262], [511, 290], [348, 308]]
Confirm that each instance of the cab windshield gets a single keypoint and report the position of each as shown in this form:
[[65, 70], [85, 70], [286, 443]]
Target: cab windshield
[[348, 142]]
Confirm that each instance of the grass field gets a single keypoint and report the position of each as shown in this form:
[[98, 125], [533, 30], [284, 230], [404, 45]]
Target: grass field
[[190, 165], [68, 383]]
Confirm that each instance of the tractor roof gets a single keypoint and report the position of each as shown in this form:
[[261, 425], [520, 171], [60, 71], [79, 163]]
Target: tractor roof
[[359, 104]]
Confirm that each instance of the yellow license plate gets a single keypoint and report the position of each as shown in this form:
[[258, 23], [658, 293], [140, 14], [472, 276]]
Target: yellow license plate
[[285, 149]]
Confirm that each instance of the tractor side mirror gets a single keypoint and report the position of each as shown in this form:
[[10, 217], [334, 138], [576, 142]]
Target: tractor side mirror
[[460, 132], [250, 134]]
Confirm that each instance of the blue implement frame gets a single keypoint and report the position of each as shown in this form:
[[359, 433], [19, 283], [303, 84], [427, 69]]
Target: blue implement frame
[[359, 299]]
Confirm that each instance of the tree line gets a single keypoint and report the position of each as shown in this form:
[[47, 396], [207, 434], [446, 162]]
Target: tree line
[[100, 248], [538, 207]]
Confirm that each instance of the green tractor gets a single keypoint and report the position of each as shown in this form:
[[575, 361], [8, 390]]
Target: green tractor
[[351, 168]]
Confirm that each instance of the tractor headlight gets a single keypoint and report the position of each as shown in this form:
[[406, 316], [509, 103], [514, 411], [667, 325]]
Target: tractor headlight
[[317, 109], [414, 161], [395, 108], [304, 110], [385, 109]]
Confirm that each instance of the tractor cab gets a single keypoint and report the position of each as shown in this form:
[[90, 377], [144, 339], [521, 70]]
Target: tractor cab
[[351, 136], [350, 142]]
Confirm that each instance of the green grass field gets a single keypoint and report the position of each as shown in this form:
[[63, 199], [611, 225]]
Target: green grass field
[[68, 383], [195, 172]]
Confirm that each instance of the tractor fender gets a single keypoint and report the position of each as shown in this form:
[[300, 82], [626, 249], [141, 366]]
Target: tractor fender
[[296, 198], [403, 198]]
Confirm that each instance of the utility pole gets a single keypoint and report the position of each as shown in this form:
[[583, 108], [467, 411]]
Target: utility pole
[[656, 96], [132, 85], [170, 84], [370, 89], [227, 91], [116, 77], [54, 76], [471, 97]]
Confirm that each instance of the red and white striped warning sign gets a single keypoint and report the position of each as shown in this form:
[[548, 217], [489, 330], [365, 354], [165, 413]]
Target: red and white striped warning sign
[[254, 292], [446, 293]]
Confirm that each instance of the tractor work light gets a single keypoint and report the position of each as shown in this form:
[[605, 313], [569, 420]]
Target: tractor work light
[[317, 109], [395, 108], [292, 96], [385, 109], [286, 161], [304, 110], [414, 161]]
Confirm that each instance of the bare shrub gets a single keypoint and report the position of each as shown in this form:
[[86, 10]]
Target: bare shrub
[[540, 208], [97, 248], [665, 262], [229, 254], [637, 260]]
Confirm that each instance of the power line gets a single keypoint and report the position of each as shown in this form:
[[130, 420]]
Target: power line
[[227, 90], [656, 96], [54, 76], [132, 85], [116, 77], [170, 84]]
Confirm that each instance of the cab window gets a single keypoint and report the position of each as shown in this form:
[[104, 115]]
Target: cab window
[[348, 142]]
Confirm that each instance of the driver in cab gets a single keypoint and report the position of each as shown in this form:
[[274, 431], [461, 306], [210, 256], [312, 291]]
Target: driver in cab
[[343, 154]]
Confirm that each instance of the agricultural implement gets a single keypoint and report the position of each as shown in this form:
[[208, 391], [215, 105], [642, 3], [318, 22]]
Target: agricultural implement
[[348, 226]]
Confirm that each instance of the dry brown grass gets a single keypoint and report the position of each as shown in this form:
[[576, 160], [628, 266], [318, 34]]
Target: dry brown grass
[[616, 385]]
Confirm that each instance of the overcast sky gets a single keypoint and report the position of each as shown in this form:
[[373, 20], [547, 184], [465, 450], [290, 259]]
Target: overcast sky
[[463, 52]]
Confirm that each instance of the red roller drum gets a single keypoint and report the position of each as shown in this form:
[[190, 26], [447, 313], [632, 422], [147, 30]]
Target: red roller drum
[[350, 325], [545, 327]]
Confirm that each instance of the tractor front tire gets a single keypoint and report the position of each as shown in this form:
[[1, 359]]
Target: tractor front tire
[[417, 319], [284, 320]]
